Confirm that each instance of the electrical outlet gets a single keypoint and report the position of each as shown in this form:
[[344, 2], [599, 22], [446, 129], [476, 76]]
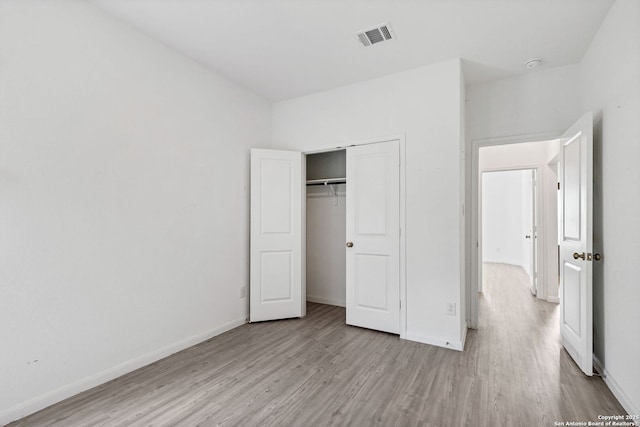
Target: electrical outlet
[[451, 308], [243, 292]]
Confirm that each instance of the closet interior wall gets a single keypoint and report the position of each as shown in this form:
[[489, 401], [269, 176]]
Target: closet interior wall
[[326, 229]]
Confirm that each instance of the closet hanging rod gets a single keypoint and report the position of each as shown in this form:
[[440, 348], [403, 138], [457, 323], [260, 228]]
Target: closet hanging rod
[[327, 181]]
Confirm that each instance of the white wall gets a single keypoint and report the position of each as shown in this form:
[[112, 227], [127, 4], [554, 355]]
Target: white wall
[[540, 102], [124, 207], [528, 155], [610, 87], [326, 251], [503, 217], [424, 104]]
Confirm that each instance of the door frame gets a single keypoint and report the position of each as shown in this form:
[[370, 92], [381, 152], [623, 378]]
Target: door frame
[[401, 138], [537, 206], [473, 242]]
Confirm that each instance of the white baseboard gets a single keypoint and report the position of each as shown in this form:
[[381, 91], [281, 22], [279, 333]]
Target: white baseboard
[[453, 345], [47, 399], [503, 261], [329, 301], [553, 299], [622, 397]]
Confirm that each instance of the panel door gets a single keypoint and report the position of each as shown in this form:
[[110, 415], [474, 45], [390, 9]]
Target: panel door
[[373, 236], [575, 212], [532, 232], [276, 254]]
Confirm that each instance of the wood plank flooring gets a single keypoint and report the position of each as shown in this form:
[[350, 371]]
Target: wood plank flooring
[[317, 371]]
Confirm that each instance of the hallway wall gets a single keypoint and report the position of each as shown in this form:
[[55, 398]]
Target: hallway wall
[[503, 219]]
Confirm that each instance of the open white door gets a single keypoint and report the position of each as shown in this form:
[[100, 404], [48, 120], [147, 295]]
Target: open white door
[[575, 213], [277, 283], [373, 236], [531, 219], [536, 226]]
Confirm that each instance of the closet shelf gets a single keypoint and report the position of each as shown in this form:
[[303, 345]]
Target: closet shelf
[[327, 181]]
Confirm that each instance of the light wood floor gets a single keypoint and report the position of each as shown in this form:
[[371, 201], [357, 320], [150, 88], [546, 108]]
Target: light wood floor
[[317, 371]]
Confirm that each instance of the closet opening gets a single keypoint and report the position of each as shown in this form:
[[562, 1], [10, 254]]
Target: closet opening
[[326, 220], [317, 237]]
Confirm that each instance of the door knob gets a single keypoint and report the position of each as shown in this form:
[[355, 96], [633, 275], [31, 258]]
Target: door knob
[[597, 257], [576, 255], [349, 244], [527, 236]]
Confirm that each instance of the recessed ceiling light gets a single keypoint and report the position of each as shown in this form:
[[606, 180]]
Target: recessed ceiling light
[[533, 63]]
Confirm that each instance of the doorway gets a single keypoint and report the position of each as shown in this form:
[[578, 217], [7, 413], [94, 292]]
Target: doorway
[[566, 225], [537, 155]]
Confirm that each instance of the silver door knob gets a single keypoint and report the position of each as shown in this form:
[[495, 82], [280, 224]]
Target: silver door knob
[[349, 244], [576, 255], [527, 236]]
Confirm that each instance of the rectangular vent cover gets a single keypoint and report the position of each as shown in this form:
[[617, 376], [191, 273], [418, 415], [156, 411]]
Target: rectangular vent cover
[[377, 34]]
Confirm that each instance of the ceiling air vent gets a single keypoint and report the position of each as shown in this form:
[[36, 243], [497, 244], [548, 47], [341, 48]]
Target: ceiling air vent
[[377, 34]]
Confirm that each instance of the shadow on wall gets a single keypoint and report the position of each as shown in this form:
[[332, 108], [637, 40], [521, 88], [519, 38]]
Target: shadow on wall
[[598, 232]]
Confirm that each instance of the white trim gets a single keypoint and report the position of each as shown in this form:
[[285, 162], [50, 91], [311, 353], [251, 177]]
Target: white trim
[[453, 345], [617, 391], [555, 300], [303, 245], [401, 137], [516, 139], [363, 141], [54, 396], [403, 237], [474, 242], [328, 301], [464, 337]]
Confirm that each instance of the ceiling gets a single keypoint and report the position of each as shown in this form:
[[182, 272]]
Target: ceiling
[[282, 49]]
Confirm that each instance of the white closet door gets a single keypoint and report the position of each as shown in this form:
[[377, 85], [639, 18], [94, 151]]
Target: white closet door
[[373, 236], [576, 293], [276, 255]]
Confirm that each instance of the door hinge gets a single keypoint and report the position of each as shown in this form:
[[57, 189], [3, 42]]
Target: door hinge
[[558, 186]]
